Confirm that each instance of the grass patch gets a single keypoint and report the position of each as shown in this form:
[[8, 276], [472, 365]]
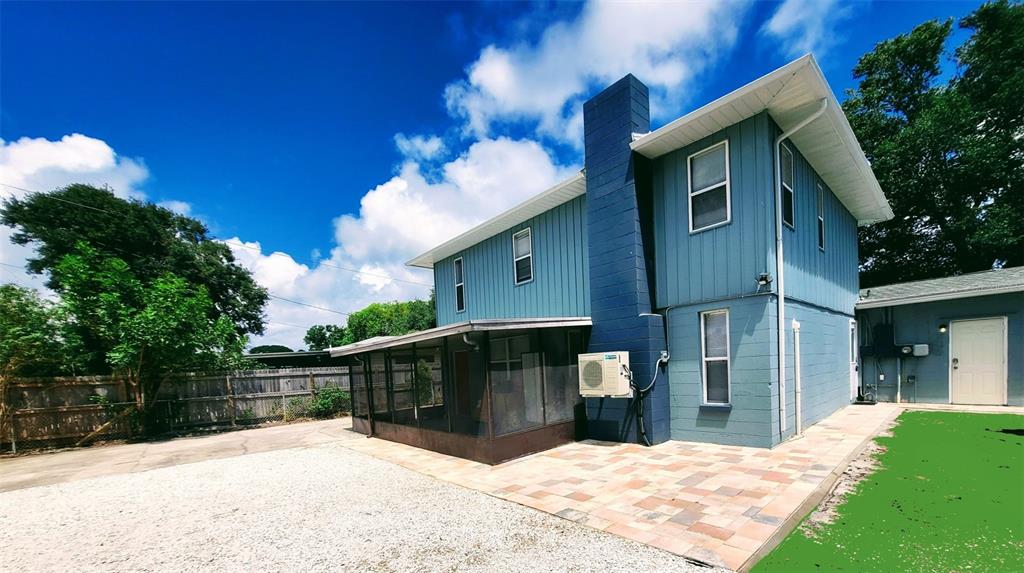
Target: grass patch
[[948, 496]]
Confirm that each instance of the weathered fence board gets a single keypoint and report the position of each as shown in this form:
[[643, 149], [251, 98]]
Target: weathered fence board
[[55, 411]]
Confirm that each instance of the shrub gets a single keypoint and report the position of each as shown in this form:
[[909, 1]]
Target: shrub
[[297, 408], [328, 402]]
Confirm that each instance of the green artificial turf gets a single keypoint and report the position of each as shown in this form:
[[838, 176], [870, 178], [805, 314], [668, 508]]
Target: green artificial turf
[[948, 496]]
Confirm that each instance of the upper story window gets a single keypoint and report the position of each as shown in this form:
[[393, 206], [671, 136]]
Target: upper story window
[[821, 217], [788, 208], [709, 187], [460, 286], [714, 326], [522, 256]]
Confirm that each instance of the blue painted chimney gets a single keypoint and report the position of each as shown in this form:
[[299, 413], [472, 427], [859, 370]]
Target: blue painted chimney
[[620, 292]]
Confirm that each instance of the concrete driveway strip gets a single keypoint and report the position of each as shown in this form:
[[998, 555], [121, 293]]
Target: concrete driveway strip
[[315, 508], [58, 467]]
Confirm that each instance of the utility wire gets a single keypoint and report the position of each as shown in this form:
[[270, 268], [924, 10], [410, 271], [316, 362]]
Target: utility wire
[[269, 294], [238, 243]]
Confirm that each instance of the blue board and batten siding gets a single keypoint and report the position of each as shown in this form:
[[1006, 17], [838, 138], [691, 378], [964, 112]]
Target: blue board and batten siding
[[725, 261], [718, 268], [826, 278], [560, 272], [748, 421]]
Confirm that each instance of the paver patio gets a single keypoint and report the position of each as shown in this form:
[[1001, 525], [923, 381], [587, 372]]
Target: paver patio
[[716, 504]]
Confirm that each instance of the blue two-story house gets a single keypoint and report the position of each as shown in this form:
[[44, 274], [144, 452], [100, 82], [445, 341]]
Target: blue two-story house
[[719, 252]]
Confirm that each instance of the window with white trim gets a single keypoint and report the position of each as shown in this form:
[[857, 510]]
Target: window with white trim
[[460, 286], [714, 330], [788, 206], [522, 256], [710, 204], [821, 217]]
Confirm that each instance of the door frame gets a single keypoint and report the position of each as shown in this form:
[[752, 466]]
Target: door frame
[[1006, 354]]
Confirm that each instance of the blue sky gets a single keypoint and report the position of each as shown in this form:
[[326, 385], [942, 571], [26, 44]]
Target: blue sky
[[360, 134]]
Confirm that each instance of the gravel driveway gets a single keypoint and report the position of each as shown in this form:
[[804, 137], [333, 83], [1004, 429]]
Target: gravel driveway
[[316, 508]]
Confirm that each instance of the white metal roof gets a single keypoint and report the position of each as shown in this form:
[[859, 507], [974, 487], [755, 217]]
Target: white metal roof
[[382, 342], [564, 191], [983, 283], [790, 94]]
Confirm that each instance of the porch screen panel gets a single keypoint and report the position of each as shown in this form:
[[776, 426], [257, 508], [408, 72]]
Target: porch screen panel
[[360, 408], [561, 378], [429, 388], [378, 381], [517, 384], [402, 387]]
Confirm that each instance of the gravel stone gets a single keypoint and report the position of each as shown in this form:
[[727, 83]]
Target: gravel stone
[[322, 508]]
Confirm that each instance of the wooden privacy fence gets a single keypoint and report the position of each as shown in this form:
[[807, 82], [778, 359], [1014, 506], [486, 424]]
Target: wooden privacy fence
[[56, 411]]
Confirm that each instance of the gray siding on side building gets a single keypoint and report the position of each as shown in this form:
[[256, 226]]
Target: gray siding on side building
[[560, 272], [919, 324]]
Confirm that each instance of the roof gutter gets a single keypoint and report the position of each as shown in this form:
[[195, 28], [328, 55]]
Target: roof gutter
[[779, 267]]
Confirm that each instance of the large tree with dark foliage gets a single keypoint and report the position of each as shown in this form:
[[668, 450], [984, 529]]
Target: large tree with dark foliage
[[320, 336], [949, 154], [151, 240], [269, 349]]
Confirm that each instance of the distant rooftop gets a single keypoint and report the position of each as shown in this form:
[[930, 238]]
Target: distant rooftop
[[982, 283]]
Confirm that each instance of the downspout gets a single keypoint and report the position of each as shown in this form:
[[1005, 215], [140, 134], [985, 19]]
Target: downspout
[[779, 269]]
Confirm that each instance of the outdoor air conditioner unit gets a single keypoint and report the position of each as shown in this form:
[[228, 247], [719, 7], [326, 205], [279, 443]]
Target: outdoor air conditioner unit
[[605, 374]]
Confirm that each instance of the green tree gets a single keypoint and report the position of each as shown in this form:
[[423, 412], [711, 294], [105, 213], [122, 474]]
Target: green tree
[[35, 338], [152, 241], [389, 319], [320, 336], [948, 155], [146, 331], [269, 348]]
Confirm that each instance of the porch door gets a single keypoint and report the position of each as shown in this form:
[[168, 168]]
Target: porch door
[[977, 361], [854, 355]]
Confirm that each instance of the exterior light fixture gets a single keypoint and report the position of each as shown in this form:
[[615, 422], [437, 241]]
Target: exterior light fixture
[[943, 328]]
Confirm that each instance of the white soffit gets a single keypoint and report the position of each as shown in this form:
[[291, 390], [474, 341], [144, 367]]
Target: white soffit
[[553, 197], [790, 94]]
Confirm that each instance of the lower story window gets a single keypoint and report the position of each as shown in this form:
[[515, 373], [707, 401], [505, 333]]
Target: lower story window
[[714, 325]]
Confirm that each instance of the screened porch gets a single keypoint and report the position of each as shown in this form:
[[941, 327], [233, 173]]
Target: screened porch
[[488, 390]]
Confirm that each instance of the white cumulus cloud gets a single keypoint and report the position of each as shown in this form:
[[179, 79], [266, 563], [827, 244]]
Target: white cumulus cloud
[[665, 44], [807, 26], [419, 147], [39, 164], [397, 220]]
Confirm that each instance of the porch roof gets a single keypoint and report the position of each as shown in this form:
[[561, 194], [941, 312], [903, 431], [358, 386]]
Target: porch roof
[[382, 342]]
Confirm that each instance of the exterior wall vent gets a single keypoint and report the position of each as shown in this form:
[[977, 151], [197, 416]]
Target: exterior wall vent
[[605, 374]]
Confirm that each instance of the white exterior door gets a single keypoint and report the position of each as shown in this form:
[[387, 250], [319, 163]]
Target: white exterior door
[[977, 361], [854, 350]]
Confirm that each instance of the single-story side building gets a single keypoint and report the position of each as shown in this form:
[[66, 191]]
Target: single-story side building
[[954, 340]]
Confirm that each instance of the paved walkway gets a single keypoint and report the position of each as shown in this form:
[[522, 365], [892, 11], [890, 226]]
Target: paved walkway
[[965, 408], [49, 468], [716, 504]]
